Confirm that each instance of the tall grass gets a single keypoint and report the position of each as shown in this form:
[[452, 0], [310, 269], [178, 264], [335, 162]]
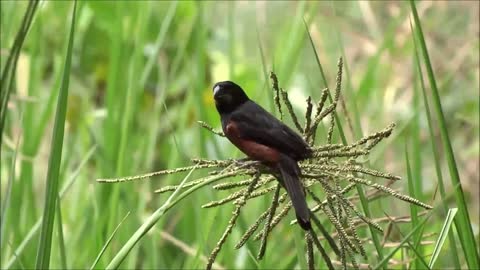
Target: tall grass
[[462, 221], [54, 162], [140, 77]]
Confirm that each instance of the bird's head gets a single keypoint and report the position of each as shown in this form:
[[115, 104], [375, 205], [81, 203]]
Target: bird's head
[[228, 96]]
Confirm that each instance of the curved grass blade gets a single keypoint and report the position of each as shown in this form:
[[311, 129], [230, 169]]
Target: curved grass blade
[[417, 237], [6, 200], [158, 43], [160, 212], [33, 231], [421, 263], [463, 223], [299, 240], [102, 251], [44, 247], [443, 236], [147, 225], [8, 72], [386, 257], [20, 262], [436, 155]]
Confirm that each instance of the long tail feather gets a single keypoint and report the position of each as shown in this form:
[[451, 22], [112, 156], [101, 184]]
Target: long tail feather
[[290, 172]]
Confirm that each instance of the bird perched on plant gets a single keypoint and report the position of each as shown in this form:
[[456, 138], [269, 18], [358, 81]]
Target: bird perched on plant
[[262, 137]]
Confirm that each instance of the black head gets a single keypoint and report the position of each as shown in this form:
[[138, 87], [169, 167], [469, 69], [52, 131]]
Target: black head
[[228, 96]]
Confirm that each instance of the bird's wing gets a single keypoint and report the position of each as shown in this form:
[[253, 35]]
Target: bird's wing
[[255, 123]]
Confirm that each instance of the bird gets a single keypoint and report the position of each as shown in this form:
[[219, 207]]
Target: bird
[[262, 137]]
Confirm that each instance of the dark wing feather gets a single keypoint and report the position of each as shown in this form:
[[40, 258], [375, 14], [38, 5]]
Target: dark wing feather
[[257, 124]]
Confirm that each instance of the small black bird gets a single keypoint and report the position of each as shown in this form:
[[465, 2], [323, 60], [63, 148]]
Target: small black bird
[[263, 137]]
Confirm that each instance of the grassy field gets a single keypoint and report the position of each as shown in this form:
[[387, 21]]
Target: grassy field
[[117, 90]]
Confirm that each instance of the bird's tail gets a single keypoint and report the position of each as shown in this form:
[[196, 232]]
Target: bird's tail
[[290, 173]]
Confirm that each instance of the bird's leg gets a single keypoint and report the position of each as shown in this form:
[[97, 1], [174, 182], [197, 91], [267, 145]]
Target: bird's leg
[[243, 159]]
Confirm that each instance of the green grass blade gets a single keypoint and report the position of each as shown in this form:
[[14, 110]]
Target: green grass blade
[[201, 37], [352, 102], [231, 39], [37, 224], [435, 152], [421, 263], [417, 237], [254, 259], [262, 58], [462, 221], [317, 58], [361, 193], [152, 219], [146, 226], [299, 246], [442, 236], [158, 43], [8, 72], [6, 200], [30, 235], [61, 239], [102, 251], [20, 263], [386, 257], [44, 247], [264, 70]]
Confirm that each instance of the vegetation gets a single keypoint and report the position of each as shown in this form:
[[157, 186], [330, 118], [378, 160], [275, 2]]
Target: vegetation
[[102, 90]]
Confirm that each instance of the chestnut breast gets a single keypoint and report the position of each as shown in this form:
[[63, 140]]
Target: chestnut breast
[[251, 148]]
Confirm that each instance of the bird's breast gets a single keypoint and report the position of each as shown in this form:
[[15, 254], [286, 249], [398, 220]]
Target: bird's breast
[[252, 149]]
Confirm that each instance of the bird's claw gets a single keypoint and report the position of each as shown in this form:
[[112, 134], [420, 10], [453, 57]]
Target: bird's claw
[[244, 162]]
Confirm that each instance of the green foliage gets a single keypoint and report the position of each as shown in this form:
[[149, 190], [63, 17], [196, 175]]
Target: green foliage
[[54, 162], [463, 222], [140, 79]]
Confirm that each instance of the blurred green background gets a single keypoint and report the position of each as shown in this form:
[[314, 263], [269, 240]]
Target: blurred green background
[[141, 78]]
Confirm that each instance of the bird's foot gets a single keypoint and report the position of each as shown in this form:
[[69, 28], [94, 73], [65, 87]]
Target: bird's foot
[[245, 162]]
